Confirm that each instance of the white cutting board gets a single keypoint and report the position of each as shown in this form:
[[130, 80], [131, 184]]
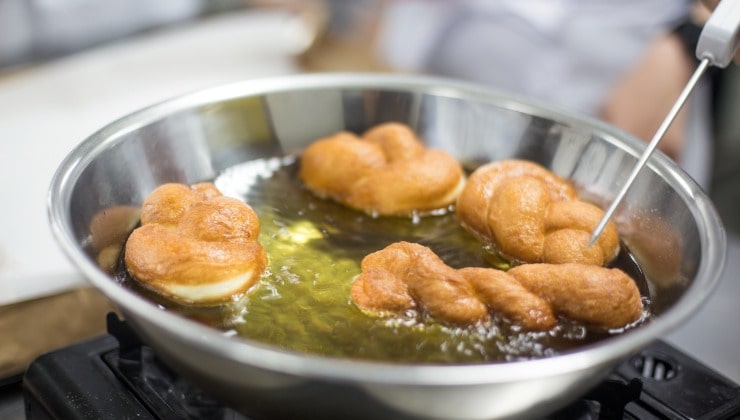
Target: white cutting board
[[45, 111]]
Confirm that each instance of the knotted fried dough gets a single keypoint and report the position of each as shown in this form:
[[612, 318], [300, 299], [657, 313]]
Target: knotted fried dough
[[531, 215], [387, 171], [594, 295], [195, 245], [403, 274], [406, 276]]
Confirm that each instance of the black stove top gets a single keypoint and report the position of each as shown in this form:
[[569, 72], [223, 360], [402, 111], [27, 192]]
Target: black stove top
[[116, 376]]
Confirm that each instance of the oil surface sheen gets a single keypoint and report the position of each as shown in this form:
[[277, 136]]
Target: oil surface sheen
[[315, 246]]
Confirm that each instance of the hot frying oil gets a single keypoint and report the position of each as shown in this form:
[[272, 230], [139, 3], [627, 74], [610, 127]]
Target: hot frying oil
[[315, 246]]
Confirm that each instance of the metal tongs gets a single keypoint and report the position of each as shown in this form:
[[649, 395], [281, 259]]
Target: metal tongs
[[718, 42]]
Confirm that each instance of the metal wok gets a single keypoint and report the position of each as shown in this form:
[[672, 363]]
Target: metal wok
[[666, 220]]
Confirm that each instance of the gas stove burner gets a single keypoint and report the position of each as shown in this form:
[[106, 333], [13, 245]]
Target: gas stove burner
[[118, 376]]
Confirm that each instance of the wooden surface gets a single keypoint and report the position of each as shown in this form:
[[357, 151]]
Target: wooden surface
[[32, 328]]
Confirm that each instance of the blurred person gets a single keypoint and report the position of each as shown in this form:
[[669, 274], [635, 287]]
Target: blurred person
[[624, 62]]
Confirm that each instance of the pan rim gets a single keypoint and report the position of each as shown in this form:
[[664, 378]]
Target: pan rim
[[712, 235]]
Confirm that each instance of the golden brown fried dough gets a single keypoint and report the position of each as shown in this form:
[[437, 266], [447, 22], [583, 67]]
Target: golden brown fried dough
[[456, 296], [442, 291], [195, 245], [511, 299], [387, 171], [405, 276], [530, 215], [594, 295], [438, 288], [379, 291]]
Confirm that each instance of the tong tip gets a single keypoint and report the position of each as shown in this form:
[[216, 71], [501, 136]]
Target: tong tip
[[595, 236]]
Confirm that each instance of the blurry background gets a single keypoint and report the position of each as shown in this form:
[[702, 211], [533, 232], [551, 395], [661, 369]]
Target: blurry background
[[68, 67]]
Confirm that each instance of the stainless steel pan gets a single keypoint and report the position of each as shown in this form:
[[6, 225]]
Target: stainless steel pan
[[666, 219]]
